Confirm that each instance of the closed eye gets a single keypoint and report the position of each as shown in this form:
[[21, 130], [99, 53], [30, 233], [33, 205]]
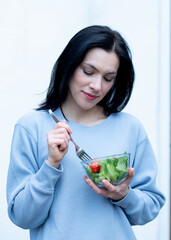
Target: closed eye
[[87, 73], [109, 79]]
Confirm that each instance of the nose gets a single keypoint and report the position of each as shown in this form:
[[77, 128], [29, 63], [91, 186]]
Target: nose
[[96, 84]]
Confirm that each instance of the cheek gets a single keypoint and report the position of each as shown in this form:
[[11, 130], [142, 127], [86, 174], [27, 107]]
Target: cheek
[[77, 80], [106, 88]]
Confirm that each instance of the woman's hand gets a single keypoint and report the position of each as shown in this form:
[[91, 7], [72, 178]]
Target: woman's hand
[[58, 139], [116, 192]]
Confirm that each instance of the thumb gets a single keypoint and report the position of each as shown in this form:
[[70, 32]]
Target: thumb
[[64, 121], [129, 176]]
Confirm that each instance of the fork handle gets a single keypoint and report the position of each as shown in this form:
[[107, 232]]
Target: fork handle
[[57, 120]]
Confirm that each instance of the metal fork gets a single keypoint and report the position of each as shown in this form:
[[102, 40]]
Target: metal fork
[[79, 151]]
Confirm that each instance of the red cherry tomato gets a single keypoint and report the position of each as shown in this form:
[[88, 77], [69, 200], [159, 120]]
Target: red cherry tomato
[[95, 167]]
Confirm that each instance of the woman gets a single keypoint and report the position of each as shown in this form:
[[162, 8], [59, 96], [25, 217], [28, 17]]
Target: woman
[[91, 83]]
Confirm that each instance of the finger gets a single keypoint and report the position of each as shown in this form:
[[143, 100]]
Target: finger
[[62, 147], [68, 128], [63, 134], [59, 133], [62, 124], [64, 121], [98, 190], [54, 136], [129, 176], [108, 185], [55, 143]]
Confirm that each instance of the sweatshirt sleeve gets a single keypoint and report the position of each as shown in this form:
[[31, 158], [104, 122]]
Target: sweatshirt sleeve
[[144, 200], [29, 188]]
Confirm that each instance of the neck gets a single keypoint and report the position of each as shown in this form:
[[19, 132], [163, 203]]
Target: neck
[[88, 117]]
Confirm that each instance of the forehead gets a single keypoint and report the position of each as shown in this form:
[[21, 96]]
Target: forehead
[[98, 57]]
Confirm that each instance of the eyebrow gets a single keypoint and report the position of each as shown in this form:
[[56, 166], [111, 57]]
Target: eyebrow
[[90, 65]]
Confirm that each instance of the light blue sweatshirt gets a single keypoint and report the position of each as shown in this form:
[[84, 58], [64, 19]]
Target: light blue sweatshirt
[[56, 204]]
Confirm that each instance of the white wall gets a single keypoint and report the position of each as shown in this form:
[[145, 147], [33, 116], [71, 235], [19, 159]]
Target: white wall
[[33, 33]]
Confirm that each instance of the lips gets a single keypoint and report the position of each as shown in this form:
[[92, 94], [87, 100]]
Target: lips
[[90, 96]]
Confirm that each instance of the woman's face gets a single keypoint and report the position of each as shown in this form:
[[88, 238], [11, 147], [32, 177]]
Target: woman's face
[[93, 78]]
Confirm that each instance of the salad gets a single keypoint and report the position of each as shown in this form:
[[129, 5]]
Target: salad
[[112, 168]]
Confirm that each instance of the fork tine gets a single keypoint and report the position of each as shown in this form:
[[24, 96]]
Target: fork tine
[[84, 156], [87, 157]]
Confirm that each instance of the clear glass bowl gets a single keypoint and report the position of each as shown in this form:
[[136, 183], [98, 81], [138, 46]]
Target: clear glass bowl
[[114, 168]]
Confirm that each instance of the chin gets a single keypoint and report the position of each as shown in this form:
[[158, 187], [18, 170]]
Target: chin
[[87, 105]]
